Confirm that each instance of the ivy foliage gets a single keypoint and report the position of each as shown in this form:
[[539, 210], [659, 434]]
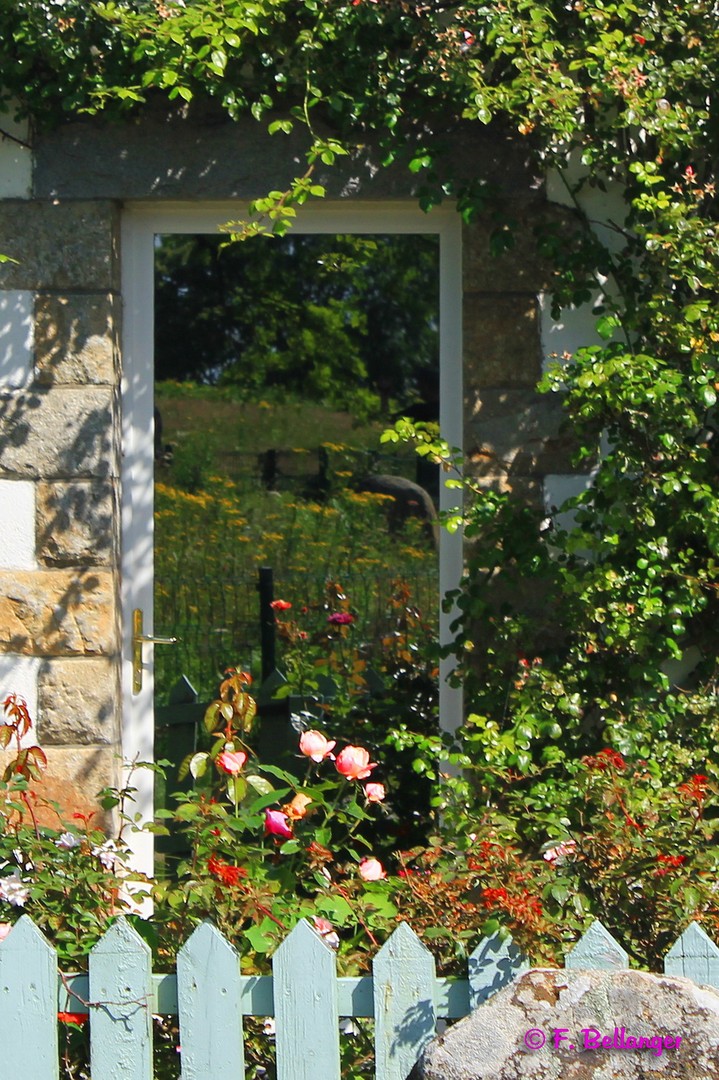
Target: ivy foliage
[[619, 94]]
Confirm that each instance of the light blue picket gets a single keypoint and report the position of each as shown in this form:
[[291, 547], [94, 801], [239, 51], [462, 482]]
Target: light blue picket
[[695, 956], [211, 997], [304, 970], [598, 951], [120, 982], [209, 992], [405, 1018], [28, 1004], [496, 962]]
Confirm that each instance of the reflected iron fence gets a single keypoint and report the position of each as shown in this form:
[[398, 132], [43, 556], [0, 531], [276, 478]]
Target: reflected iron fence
[[218, 622]]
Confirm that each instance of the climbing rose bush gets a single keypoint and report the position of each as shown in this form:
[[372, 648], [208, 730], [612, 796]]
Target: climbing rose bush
[[266, 846]]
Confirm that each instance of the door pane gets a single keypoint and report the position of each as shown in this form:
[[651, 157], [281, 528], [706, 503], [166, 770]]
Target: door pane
[[278, 363]]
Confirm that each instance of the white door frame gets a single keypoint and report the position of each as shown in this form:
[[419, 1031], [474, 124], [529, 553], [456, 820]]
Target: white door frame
[[141, 223]]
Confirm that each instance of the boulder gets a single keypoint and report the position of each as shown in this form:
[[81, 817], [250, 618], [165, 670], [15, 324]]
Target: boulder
[[409, 500], [583, 1025]]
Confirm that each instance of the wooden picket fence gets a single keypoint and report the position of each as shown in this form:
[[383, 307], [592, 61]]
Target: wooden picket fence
[[210, 995]]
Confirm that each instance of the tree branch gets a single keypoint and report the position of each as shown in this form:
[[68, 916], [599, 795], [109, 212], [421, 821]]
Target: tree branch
[[14, 138]]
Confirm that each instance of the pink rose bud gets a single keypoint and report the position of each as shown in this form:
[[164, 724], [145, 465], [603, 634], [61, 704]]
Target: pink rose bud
[[314, 745], [375, 792], [326, 931], [372, 870], [353, 763], [231, 761], [276, 824]]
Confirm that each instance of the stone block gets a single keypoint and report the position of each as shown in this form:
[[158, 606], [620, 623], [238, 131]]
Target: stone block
[[197, 152], [73, 778], [77, 523], [58, 613], [501, 341], [61, 432], [526, 489], [517, 432], [75, 339], [78, 702], [60, 245], [501, 253], [583, 1025]]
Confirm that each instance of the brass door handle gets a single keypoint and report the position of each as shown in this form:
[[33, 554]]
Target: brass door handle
[[137, 641]]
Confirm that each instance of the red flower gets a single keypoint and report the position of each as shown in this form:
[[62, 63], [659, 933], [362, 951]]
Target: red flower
[[228, 875], [696, 788], [604, 760], [280, 605], [276, 824], [72, 1018], [669, 862], [340, 618], [494, 897]]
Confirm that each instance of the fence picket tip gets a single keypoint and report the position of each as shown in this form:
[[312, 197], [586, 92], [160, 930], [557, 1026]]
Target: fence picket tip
[[305, 991], [494, 963], [694, 955], [404, 988], [28, 989], [121, 934], [597, 950], [26, 933]]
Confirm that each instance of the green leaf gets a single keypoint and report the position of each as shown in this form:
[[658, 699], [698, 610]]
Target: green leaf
[[259, 941], [260, 784], [198, 764]]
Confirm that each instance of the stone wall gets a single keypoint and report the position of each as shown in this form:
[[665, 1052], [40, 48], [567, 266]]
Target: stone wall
[[59, 442], [60, 366]]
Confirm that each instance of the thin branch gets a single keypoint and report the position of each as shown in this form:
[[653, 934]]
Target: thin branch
[[14, 138]]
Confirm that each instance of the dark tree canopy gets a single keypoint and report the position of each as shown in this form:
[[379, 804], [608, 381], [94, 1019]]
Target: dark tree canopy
[[349, 320]]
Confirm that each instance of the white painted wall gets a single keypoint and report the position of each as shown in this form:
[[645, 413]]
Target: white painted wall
[[16, 338], [15, 160], [17, 514], [18, 675], [606, 212]]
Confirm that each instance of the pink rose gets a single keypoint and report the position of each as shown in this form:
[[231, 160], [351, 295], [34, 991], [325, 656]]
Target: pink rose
[[276, 824], [557, 855], [375, 792], [314, 745], [231, 761], [371, 869], [353, 762], [326, 930], [340, 618]]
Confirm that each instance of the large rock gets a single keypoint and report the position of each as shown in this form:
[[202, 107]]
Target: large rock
[[583, 1025]]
